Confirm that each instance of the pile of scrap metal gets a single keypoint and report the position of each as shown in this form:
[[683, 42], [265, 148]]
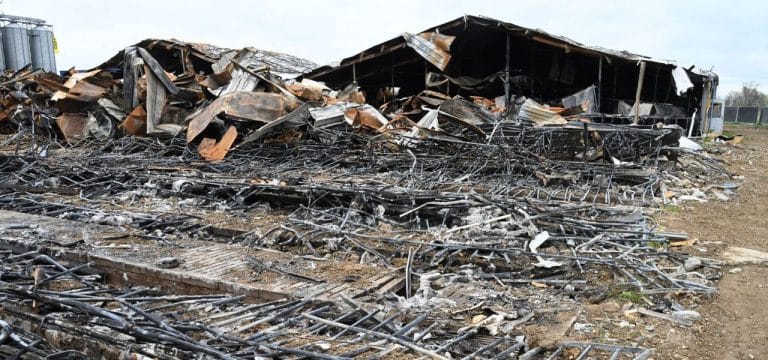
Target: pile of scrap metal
[[435, 88], [154, 88], [53, 306]]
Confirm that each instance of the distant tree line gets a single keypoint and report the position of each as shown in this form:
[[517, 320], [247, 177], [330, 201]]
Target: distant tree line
[[749, 95]]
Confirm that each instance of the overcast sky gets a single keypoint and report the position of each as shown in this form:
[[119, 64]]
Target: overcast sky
[[729, 36]]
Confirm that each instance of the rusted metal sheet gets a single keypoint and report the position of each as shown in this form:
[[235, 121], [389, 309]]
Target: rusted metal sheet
[[79, 76], [136, 122], [211, 150], [9, 104], [86, 92], [52, 83], [539, 114], [74, 127], [217, 79], [305, 92], [80, 89], [260, 107], [431, 46], [356, 97], [5, 114], [442, 41], [366, 116]]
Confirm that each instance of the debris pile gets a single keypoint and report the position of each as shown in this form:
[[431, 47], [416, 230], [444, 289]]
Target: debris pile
[[143, 322], [343, 221]]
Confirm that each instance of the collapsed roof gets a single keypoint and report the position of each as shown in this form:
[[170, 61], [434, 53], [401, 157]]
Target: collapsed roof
[[203, 56]]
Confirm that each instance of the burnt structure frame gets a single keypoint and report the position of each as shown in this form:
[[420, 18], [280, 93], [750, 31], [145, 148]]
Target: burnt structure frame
[[484, 47]]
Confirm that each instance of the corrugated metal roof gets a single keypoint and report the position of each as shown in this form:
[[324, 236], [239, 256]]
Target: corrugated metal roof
[[490, 23], [284, 65]]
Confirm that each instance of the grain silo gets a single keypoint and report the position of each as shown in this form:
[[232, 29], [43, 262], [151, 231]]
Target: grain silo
[[26, 41], [15, 46], [2, 55], [41, 48]]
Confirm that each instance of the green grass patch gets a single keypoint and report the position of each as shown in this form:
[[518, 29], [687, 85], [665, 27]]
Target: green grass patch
[[672, 208], [655, 244], [631, 296]]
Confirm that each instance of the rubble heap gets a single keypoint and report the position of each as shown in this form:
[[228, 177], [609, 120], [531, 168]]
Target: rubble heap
[[420, 225]]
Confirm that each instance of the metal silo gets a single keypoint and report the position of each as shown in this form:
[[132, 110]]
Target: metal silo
[[41, 48], [2, 56], [15, 46]]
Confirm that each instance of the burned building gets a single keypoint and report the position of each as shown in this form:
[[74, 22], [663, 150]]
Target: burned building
[[474, 55], [188, 201]]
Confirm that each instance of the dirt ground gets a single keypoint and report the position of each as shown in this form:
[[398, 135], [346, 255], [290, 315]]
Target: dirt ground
[[735, 320]]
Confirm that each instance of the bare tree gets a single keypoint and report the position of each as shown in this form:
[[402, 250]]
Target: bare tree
[[748, 96]]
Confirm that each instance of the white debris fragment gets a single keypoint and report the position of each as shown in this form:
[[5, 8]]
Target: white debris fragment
[[537, 241], [692, 263], [323, 345], [115, 220], [618, 162], [178, 184], [426, 296], [168, 263], [720, 196], [547, 264], [622, 324], [581, 327], [695, 194], [689, 315], [687, 143]]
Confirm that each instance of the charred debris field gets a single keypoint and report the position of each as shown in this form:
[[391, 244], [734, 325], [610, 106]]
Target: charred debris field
[[183, 201]]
